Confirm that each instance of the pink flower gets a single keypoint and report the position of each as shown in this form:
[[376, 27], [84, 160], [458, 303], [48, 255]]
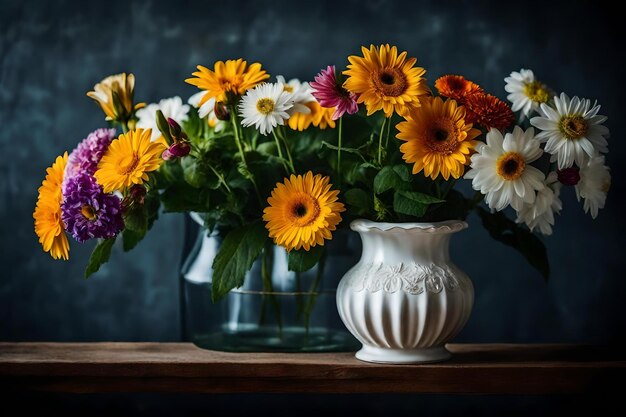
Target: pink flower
[[329, 93]]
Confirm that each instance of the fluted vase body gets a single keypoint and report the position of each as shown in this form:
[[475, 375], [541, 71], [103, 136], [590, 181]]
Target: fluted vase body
[[405, 298]]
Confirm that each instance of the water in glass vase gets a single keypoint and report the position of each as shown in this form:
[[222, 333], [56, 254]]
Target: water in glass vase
[[276, 310]]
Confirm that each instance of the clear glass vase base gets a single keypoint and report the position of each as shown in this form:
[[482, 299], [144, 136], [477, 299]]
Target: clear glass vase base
[[269, 339], [402, 356]]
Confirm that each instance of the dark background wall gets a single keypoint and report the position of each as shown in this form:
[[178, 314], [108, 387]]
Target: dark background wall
[[51, 53]]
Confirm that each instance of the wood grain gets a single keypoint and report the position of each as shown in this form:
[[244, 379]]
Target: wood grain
[[181, 367]]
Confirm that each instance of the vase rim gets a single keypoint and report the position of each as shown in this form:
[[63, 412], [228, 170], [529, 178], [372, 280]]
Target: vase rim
[[447, 226]]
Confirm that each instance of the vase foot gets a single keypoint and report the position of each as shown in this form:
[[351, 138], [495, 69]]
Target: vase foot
[[399, 356]]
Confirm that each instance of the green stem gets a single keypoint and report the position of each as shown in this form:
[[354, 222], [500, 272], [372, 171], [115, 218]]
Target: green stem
[[124, 127], [283, 136], [221, 178], [280, 152], [388, 132], [380, 142], [339, 151], [438, 189], [235, 123]]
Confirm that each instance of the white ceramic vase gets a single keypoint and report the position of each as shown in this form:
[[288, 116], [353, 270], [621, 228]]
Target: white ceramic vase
[[405, 299]]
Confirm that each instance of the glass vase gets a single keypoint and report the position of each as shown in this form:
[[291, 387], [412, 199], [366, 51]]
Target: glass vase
[[276, 310]]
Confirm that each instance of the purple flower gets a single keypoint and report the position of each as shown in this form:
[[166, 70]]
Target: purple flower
[[329, 93], [87, 211], [85, 157]]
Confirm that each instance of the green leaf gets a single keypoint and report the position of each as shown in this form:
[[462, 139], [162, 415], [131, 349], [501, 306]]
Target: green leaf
[[238, 251], [197, 174], [385, 180], [402, 170], [413, 203], [395, 177], [136, 220], [267, 148], [508, 232], [99, 256], [131, 238], [359, 200], [163, 127], [302, 260]]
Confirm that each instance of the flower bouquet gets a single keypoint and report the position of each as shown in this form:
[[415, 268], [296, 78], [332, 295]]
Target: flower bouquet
[[287, 162]]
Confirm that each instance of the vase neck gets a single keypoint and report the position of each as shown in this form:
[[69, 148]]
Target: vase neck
[[406, 243]]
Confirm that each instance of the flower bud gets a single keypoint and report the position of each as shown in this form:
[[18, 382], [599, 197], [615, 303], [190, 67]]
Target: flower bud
[[167, 155], [175, 128], [221, 111], [180, 149], [137, 193], [569, 176]]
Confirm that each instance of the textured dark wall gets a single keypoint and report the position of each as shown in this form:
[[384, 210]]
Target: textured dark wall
[[51, 53]]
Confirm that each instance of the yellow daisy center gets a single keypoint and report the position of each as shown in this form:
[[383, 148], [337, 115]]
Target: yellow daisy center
[[390, 82], [441, 136], [88, 212], [304, 210], [128, 164], [288, 88], [573, 127], [510, 166], [537, 92], [265, 106]]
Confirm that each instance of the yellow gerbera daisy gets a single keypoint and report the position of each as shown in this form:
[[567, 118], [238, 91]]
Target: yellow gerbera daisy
[[48, 224], [385, 80], [128, 160], [438, 139], [122, 85], [230, 77], [319, 117], [302, 211]]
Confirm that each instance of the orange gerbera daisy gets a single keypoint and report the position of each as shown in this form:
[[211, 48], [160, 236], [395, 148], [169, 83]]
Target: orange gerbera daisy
[[48, 224], [230, 77], [488, 111], [384, 79], [437, 138], [302, 211], [456, 87]]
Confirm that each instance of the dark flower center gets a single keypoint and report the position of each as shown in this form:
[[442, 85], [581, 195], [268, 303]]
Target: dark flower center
[[299, 210], [510, 166], [391, 82], [573, 127], [88, 212], [441, 135]]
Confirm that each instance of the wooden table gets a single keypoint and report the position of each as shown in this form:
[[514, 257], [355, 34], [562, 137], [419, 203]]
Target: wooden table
[[181, 367]]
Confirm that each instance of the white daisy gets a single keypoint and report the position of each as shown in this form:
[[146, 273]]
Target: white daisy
[[595, 181], [265, 106], [573, 130], [501, 169], [526, 92], [301, 93], [171, 108], [207, 110], [540, 214]]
